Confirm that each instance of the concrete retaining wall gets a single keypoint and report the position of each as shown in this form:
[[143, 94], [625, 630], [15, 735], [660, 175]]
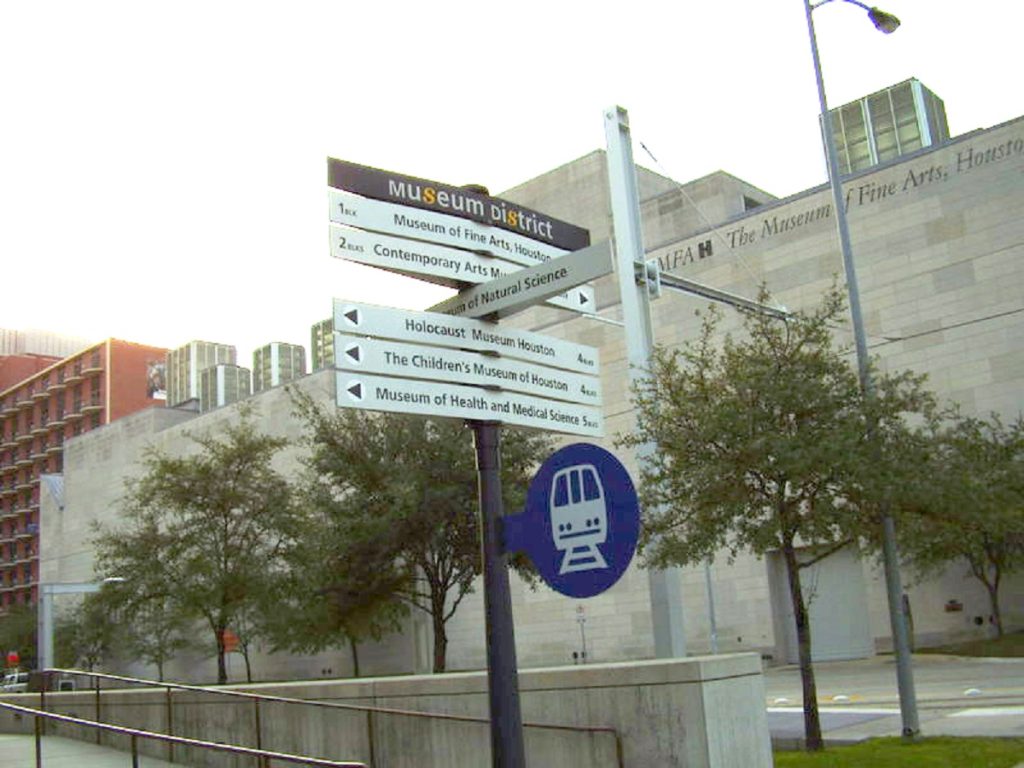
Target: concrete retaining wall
[[702, 712]]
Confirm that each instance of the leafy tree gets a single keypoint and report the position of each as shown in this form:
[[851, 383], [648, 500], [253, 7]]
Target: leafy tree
[[399, 495], [18, 634], [85, 635], [762, 446], [971, 506], [154, 623], [332, 593], [203, 534]]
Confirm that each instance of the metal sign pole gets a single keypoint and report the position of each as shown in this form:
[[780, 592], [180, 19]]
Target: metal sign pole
[[665, 589], [506, 719]]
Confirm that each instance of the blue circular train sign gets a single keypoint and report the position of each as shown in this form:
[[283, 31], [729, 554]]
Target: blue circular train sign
[[582, 520]]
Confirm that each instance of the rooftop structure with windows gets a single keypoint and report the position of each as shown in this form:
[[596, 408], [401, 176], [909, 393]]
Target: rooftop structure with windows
[[277, 363], [890, 123]]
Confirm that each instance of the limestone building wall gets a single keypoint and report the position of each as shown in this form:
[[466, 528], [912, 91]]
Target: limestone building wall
[[938, 238]]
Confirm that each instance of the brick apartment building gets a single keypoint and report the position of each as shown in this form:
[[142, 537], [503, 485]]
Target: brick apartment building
[[68, 397]]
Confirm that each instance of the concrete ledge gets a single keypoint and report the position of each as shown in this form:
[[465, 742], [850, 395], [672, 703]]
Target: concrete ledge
[[701, 712]]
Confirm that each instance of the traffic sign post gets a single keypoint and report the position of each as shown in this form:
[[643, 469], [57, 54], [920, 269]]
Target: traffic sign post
[[413, 361], [457, 401], [453, 365], [358, 319], [439, 264], [581, 523], [516, 291], [440, 228]]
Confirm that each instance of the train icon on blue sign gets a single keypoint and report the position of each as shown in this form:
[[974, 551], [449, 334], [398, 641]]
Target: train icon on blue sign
[[579, 518], [581, 522]]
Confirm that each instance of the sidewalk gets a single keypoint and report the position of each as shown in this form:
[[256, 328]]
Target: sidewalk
[[18, 751], [956, 696]]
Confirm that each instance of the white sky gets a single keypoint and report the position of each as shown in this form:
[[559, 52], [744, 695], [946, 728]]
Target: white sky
[[163, 165]]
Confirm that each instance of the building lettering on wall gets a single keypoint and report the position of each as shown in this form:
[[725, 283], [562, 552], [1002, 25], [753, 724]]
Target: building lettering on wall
[[859, 194]]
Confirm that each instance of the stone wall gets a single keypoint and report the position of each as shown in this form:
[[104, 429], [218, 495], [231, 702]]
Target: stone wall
[[694, 713]]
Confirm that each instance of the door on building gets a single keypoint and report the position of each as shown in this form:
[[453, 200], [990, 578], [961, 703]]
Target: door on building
[[836, 591]]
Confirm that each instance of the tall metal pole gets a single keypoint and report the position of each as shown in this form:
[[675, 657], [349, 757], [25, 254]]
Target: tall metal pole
[[890, 555], [44, 629], [507, 749], [665, 590]]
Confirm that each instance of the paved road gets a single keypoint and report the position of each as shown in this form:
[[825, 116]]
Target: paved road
[[20, 752], [858, 699]]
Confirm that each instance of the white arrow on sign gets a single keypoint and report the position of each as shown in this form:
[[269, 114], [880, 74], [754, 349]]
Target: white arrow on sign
[[416, 361], [391, 219], [431, 398], [451, 267], [461, 333], [520, 290]]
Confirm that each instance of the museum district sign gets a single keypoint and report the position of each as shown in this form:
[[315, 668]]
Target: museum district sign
[[447, 362]]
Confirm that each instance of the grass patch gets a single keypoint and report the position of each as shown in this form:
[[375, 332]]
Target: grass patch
[[1007, 646], [939, 752]]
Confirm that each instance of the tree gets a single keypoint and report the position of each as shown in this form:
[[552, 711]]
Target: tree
[[764, 446], [18, 634], [400, 495], [203, 534], [333, 592], [155, 625], [85, 635], [971, 507]]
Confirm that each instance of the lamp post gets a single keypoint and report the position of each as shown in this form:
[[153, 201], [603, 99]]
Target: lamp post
[[886, 23], [44, 634]]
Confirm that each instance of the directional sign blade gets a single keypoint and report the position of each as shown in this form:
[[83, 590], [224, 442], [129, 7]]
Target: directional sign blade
[[416, 361], [442, 265], [457, 201], [431, 398], [517, 291], [438, 228], [359, 319]]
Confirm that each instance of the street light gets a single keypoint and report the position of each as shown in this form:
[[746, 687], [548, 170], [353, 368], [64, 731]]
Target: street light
[[886, 23], [44, 634]]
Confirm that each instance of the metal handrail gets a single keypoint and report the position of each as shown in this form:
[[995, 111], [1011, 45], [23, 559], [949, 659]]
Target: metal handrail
[[136, 734], [368, 710]]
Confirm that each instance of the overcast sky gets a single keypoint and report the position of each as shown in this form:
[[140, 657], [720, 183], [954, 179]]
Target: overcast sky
[[162, 165]]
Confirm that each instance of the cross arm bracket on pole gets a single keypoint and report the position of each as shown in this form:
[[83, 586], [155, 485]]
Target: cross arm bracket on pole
[[692, 287]]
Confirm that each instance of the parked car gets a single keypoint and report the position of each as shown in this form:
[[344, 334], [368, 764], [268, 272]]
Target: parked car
[[14, 682]]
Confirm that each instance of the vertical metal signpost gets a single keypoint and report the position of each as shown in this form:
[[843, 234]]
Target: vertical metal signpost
[[507, 748], [503, 687], [666, 597]]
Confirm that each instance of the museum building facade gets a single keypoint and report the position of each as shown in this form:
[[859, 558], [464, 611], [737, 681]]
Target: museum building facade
[[938, 238]]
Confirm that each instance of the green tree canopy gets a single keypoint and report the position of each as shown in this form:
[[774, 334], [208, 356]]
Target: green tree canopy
[[86, 635], [396, 497], [18, 634], [202, 535], [762, 446], [970, 505]]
